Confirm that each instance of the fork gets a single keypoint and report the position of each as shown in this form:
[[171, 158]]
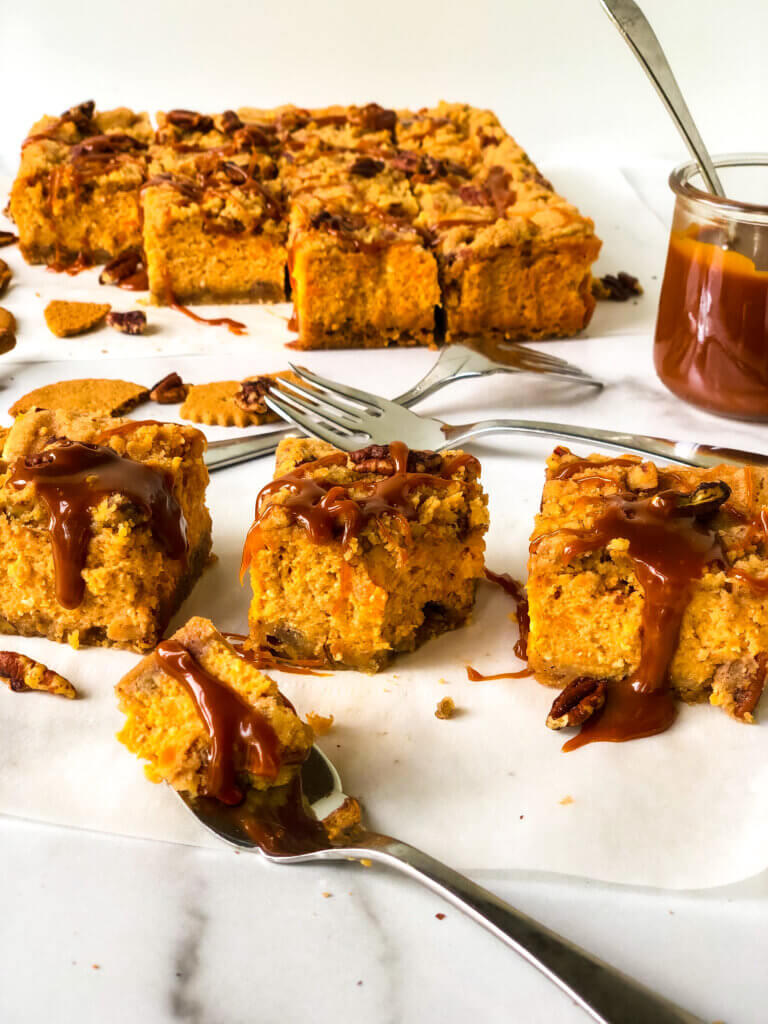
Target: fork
[[456, 362], [349, 418], [606, 994]]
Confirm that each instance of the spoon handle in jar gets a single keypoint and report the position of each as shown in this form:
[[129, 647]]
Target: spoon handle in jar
[[636, 30]]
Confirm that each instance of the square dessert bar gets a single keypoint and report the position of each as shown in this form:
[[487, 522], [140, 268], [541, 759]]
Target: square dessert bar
[[76, 195], [206, 720], [656, 575], [213, 226], [356, 556], [360, 273], [515, 257], [103, 527]]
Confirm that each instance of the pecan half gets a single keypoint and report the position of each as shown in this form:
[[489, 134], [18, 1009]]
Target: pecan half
[[250, 397], [189, 120], [738, 685], [170, 390], [576, 703], [105, 145], [133, 322], [366, 167], [7, 238], [23, 673], [5, 276]]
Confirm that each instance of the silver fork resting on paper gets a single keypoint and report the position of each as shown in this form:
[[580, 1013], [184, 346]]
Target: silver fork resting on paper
[[350, 418], [456, 362]]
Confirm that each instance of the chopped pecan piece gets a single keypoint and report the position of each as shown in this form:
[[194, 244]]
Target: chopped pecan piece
[[704, 500], [501, 194], [170, 390], [616, 287], [7, 238], [133, 322], [230, 122], [319, 724], [446, 708], [374, 118], [128, 265], [105, 145], [738, 685], [251, 394], [345, 823], [366, 167], [80, 115], [7, 330], [23, 673], [5, 276], [376, 458], [576, 703]]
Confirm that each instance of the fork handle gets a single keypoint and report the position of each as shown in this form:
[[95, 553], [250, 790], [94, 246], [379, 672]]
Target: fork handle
[[606, 994], [688, 453]]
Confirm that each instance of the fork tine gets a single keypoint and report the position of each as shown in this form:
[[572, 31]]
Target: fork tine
[[327, 416], [325, 383], [322, 399], [533, 357], [310, 423]]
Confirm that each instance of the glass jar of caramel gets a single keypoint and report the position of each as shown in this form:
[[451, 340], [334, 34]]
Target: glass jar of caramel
[[711, 346]]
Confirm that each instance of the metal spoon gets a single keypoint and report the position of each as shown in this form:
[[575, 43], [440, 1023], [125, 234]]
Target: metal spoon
[[634, 26], [607, 995]]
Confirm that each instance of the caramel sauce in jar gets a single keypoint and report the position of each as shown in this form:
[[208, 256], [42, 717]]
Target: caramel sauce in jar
[[711, 345]]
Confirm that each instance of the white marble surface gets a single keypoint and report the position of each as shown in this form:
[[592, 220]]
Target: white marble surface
[[97, 928]]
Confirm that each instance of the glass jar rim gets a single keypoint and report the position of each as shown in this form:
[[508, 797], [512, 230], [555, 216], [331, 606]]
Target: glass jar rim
[[680, 182]]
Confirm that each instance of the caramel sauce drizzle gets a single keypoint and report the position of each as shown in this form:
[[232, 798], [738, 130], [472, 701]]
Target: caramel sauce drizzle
[[72, 478], [233, 326], [669, 552], [514, 589], [241, 737], [327, 512], [571, 468], [266, 658]]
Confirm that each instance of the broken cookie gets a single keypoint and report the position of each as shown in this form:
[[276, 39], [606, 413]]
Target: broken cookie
[[65, 319], [90, 396]]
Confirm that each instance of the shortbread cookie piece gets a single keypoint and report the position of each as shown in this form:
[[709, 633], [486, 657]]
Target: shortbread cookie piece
[[232, 403], [65, 319], [90, 396], [23, 673]]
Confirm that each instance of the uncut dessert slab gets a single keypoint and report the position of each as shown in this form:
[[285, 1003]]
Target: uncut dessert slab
[[488, 789]]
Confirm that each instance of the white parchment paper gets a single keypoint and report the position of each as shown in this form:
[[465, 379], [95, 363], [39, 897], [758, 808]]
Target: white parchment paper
[[490, 788]]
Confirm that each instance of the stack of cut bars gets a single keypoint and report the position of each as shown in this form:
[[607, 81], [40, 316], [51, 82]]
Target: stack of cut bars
[[382, 226]]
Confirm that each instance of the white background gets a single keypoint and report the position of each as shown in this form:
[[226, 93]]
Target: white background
[[186, 935], [556, 71]]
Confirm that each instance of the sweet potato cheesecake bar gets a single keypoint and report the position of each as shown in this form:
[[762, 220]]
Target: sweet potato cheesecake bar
[[515, 257], [360, 273], [648, 583], [214, 228], [207, 721], [356, 556], [76, 195], [103, 527]]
